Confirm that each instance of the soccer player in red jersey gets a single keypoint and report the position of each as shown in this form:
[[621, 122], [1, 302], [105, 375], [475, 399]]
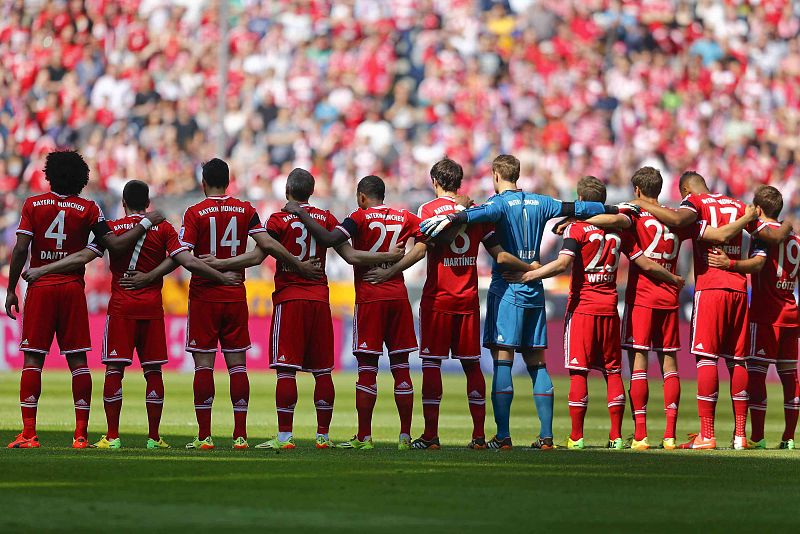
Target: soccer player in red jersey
[[135, 316], [591, 330], [54, 225], [383, 312], [774, 319], [219, 226], [301, 305], [719, 317]]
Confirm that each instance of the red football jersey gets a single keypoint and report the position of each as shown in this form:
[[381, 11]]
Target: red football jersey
[[148, 253], [292, 234], [717, 210], [380, 229], [772, 299], [452, 274], [593, 288], [59, 225], [219, 226], [660, 244]]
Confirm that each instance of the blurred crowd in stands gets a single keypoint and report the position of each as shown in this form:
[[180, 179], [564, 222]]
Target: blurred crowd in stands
[[347, 88]]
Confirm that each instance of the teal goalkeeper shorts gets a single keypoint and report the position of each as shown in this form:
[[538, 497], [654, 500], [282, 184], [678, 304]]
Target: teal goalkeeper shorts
[[510, 327]]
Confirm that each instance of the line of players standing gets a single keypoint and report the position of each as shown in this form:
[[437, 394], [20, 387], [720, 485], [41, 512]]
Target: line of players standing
[[143, 248]]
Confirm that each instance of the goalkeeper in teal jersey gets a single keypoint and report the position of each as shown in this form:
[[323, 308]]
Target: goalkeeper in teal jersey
[[515, 316]]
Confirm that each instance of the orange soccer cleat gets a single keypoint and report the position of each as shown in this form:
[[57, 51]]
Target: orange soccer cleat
[[696, 441], [80, 443], [21, 442]]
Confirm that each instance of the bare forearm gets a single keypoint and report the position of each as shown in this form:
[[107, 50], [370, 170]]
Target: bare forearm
[[243, 261], [197, 267], [654, 270], [323, 236], [748, 266], [18, 258], [609, 221], [272, 248], [71, 263], [554, 268], [123, 242], [674, 218], [773, 235], [513, 263]]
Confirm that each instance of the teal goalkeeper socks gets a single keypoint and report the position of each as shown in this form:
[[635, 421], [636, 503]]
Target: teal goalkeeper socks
[[502, 395], [543, 398]]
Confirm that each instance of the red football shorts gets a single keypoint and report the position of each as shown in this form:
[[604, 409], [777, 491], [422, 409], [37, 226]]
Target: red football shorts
[[212, 323], [650, 329], [302, 336], [773, 344], [384, 321], [442, 334], [592, 342], [719, 324], [56, 310], [124, 334]]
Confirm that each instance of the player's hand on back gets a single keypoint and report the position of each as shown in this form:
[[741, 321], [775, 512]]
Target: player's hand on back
[[679, 282], [211, 261], [717, 258], [378, 275], [32, 275], [293, 207], [135, 280], [155, 216], [561, 226], [396, 254], [12, 302], [232, 278], [311, 269], [435, 225]]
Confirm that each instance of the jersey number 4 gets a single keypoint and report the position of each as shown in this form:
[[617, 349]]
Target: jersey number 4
[[56, 230]]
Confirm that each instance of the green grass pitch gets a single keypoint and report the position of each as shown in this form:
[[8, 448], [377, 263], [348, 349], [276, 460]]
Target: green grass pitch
[[451, 490]]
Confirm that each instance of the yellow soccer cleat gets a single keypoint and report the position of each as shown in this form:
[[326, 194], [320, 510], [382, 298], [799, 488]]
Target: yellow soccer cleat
[[275, 443], [355, 443], [203, 445], [669, 444], [577, 445], [641, 445], [106, 443]]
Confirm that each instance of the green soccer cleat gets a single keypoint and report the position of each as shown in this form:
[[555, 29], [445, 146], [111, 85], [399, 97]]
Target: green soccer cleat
[[160, 444], [404, 443], [240, 444], [276, 444], [577, 445], [354, 443], [788, 444], [616, 444], [203, 445], [105, 443], [324, 443], [760, 444]]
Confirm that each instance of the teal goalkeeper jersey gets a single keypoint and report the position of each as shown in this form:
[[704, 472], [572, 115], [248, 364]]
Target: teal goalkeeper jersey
[[519, 220]]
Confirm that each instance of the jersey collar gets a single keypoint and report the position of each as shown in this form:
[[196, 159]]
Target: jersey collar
[[224, 197]]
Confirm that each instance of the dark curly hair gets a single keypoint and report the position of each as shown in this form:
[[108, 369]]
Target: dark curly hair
[[66, 171]]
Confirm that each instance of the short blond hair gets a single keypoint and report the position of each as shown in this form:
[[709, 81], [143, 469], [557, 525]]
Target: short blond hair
[[507, 167]]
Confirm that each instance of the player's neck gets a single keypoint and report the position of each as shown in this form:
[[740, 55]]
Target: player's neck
[[502, 187], [135, 212], [768, 219], [651, 200], [441, 193], [290, 198], [214, 192]]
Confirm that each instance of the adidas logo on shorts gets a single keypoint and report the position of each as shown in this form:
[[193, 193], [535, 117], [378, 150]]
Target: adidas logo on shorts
[[574, 361], [699, 346], [192, 343], [113, 353], [363, 345], [630, 339], [761, 352], [425, 351], [24, 342], [500, 338], [281, 358]]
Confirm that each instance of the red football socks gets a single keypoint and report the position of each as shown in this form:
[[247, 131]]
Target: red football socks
[[366, 393], [240, 398], [30, 389], [707, 393], [739, 395], [578, 402], [791, 401], [431, 396], [285, 399], [476, 396], [82, 396], [203, 399], [672, 400], [324, 395], [616, 404], [112, 401], [757, 389], [403, 390], [154, 401], [639, 395]]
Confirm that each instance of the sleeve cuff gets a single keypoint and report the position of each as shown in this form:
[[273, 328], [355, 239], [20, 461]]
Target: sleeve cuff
[[762, 253], [95, 250], [256, 230], [26, 232], [566, 252], [342, 228], [687, 207], [635, 255], [178, 251]]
